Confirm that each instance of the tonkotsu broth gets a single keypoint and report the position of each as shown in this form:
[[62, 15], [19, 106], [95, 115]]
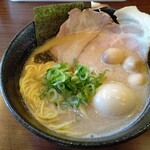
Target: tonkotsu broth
[[86, 122]]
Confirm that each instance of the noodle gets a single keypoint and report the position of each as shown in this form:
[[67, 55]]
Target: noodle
[[30, 88]]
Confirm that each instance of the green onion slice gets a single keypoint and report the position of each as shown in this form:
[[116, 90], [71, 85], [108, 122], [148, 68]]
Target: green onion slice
[[70, 86]]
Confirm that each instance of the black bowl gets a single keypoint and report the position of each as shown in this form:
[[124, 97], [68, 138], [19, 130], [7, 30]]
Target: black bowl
[[11, 65]]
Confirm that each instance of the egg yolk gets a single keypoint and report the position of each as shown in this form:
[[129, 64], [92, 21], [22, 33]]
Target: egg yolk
[[114, 99]]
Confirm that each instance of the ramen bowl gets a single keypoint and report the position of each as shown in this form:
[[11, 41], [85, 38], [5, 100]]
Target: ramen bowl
[[12, 64]]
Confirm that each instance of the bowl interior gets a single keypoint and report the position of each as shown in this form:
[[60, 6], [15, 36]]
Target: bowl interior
[[12, 63]]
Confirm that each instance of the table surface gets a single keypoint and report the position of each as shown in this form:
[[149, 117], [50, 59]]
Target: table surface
[[13, 136]]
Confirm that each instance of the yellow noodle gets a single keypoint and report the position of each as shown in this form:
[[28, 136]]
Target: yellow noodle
[[62, 126], [46, 113], [54, 120], [48, 116]]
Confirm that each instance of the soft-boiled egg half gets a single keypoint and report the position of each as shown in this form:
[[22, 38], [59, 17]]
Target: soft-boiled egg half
[[113, 56], [132, 64], [137, 79], [114, 99]]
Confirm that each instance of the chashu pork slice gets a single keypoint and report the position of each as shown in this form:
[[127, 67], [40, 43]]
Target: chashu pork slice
[[80, 29], [93, 52], [86, 20], [131, 33], [72, 47], [131, 20]]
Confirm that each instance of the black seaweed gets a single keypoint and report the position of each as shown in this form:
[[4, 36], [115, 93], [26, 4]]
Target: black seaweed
[[43, 57]]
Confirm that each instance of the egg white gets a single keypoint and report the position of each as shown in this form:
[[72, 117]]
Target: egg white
[[114, 99]]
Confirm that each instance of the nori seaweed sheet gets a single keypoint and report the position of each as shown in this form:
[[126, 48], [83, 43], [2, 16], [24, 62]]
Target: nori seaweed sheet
[[48, 19]]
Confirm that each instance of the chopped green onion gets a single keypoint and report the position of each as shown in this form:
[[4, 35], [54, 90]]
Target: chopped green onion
[[82, 72], [71, 86], [89, 90]]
